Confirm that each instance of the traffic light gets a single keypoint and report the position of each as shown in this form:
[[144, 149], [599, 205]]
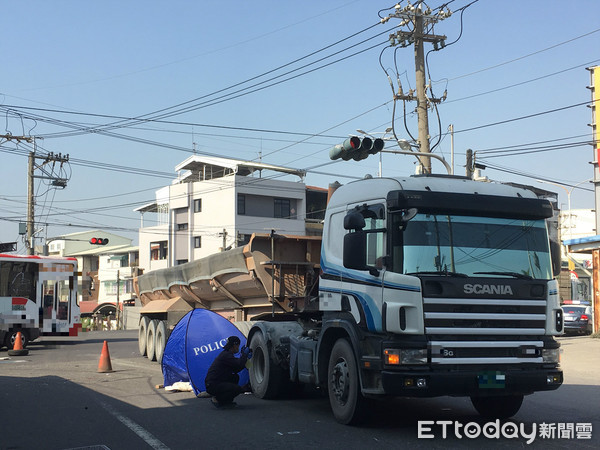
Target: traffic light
[[98, 241], [356, 148]]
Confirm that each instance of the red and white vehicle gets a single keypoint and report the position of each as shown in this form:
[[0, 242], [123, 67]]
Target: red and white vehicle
[[38, 297]]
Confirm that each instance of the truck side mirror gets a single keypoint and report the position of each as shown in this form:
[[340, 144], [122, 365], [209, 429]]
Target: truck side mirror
[[354, 221], [355, 250], [555, 254], [407, 216]]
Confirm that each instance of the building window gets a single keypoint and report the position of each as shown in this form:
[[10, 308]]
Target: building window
[[241, 204], [181, 261], [282, 208], [158, 250], [182, 226], [243, 239], [197, 241], [198, 205]]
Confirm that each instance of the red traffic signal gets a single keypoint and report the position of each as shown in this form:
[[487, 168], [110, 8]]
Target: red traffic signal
[[98, 241]]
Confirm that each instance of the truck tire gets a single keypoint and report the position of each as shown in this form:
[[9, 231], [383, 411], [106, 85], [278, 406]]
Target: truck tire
[[11, 336], [265, 376], [142, 335], [500, 407], [160, 340], [151, 340], [347, 403]]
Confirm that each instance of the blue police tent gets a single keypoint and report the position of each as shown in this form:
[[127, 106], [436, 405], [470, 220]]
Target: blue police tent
[[193, 345]]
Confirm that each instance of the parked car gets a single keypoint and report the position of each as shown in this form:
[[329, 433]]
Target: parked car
[[577, 319]]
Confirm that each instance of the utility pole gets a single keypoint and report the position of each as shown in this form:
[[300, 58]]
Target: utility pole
[[224, 234], [422, 102], [30, 202], [469, 165], [451, 129], [31, 168], [118, 314], [418, 21]]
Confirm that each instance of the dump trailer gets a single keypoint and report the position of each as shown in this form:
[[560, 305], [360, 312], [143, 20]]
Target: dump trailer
[[424, 286], [240, 284]]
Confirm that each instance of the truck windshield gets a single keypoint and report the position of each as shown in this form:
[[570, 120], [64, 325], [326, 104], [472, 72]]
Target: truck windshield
[[474, 246]]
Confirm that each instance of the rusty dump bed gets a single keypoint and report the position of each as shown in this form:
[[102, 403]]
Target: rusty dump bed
[[244, 277]]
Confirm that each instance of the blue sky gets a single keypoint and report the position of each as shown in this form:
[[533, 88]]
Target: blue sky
[[111, 59]]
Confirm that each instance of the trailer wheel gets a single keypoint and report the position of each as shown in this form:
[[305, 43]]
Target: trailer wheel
[[500, 407], [151, 340], [347, 403], [160, 339], [142, 332], [11, 336], [265, 376]]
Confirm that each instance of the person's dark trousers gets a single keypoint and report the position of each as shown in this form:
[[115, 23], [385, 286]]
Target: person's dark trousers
[[226, 391]]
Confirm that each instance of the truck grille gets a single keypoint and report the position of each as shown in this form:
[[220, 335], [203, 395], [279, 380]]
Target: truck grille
[[459, 327]]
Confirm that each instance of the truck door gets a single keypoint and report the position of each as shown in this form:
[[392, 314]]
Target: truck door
[[362, 289], [402, 308]]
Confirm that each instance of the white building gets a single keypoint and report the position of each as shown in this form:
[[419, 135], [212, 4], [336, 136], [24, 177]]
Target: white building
[[217, 203], [102, 267]]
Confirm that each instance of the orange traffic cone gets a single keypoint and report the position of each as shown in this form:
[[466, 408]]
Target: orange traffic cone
[[18, 349], [104, 365]]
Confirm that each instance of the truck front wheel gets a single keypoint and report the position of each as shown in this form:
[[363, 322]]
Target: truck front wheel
[[265, 376], [501, 407], [347, 403]]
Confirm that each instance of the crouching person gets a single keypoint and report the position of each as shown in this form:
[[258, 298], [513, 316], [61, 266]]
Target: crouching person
[[222, 378]]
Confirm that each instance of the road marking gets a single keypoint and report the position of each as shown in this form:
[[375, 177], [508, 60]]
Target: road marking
[[136, 428]]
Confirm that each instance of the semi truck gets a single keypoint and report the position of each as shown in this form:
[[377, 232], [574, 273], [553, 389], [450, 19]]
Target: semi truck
[[422, 286], [38, 297]]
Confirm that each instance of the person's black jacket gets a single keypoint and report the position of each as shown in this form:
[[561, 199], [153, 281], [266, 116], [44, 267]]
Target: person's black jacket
[[224, 367]]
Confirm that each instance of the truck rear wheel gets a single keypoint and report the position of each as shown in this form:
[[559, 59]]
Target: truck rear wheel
[[160, 339], [265, 376], [142, 332], [347, 403], [151, 340], [500, 407]]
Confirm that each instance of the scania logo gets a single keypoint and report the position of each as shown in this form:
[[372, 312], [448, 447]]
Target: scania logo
[[501, 289]]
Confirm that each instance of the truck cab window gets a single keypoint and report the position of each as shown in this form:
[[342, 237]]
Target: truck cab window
[[375, 220]]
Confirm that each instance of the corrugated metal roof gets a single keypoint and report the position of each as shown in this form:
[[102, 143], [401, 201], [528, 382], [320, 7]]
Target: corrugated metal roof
[[197, 162]]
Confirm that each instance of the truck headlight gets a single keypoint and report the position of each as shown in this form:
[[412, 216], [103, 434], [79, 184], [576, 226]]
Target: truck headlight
[[397, 356], [551, 355]]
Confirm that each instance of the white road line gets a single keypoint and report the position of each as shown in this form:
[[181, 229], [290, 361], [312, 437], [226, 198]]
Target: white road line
[[136, 428]]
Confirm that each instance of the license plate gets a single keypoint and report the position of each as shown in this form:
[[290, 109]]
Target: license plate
[[491, 379]]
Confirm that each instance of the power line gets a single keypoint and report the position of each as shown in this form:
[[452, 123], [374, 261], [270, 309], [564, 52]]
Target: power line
[[529, 116]]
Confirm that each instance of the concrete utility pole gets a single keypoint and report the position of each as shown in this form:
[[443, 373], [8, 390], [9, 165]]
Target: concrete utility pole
[[118, 312], [413, 16], [30, 203], [422, 102], [55, 181], [224, 235], [31, 168]]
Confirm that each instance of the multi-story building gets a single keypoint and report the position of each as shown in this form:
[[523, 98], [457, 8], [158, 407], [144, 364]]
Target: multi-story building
[[217, 203], [105, 269]]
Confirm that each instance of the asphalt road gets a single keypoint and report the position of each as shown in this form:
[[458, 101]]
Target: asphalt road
[[54, 398]]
